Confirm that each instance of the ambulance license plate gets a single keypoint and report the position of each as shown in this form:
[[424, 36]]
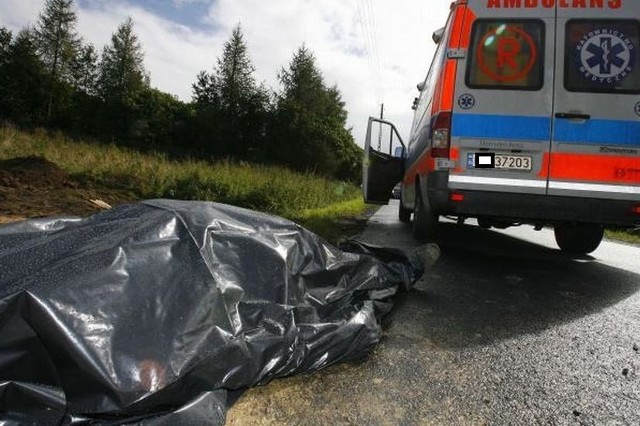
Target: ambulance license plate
[[513, 162]]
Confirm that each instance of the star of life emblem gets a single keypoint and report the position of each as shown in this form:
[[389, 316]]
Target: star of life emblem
[[605, 56]]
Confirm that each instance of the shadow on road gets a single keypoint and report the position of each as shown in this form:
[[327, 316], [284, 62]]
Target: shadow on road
[[489, 286]]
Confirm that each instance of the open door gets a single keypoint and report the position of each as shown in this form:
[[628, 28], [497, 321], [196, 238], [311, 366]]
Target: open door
[[383, 163]]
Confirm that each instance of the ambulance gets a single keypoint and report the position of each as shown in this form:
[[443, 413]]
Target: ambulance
[[529, 114]]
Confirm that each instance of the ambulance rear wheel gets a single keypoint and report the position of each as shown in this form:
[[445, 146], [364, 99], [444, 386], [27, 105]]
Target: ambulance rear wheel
[[578, 238], [404, 214], [425, 221]]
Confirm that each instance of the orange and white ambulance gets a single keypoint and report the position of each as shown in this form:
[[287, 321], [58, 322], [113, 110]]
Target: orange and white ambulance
[[530, 113]]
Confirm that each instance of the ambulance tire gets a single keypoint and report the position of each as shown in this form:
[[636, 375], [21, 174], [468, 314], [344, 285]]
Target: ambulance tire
[[404, 214], [578, 238], [425, 221]]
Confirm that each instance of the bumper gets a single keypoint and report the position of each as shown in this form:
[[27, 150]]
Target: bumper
[[531, 207]]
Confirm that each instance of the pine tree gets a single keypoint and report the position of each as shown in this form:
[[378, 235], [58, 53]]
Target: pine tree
[[205, 90], [84, 70], [6, 38], [234, 72], [22, 80], [58, 44], [5, 43], [309, 131], [231, 108], [123, 82], [122, 72]]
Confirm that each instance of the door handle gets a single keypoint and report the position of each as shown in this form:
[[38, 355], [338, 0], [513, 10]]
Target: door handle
[[572, 116]]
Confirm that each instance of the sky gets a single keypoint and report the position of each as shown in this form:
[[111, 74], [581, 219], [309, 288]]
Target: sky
[[375, 51]]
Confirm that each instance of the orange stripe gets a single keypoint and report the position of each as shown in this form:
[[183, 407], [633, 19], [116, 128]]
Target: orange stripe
[[446, 102], [419, 167], [458, 21], [595, 168], [544, 169], [465, 34], [443, 95], [444, 91]]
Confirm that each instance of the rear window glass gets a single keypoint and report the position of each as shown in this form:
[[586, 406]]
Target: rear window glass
[[506, 54], [602, 56]]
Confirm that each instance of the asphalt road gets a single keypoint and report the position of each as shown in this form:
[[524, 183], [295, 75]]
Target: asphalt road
[[504, 329]]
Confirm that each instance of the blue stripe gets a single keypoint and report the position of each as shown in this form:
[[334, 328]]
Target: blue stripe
[[598, 132], [513, 127]]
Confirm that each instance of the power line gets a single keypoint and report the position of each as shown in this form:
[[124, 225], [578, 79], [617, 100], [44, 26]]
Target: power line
[[368, 28], [376, 50]]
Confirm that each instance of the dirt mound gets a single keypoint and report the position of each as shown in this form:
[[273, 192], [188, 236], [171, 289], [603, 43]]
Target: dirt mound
[[36, 187], [34, 172]]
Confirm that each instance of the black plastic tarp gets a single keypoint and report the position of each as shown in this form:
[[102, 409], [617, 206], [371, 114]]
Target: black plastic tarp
[[151, 312]]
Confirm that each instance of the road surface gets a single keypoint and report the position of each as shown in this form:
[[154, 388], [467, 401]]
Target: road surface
[[504, 329]]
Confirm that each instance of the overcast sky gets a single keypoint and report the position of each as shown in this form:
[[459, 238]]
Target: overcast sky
[[373, 50]]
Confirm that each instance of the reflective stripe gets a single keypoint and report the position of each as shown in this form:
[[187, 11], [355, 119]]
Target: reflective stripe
[[595, 168], [465, 34], [621, 189], [498, 181], [598, 132], [492, 126]]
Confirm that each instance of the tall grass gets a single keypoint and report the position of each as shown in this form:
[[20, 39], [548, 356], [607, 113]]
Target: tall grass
[[271, 189]]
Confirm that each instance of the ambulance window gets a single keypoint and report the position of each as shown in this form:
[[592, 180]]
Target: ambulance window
[[506, 54], [602, 56]]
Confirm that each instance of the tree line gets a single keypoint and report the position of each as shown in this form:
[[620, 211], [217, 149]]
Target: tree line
[[50, 77]]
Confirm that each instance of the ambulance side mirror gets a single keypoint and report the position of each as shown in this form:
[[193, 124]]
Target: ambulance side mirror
[[437, 35], [398, 152]]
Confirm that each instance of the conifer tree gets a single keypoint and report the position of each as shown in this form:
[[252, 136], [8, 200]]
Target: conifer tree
[[58, 44], [231, 107], [122, 72], [123, 81], [22, 80], [309, 130], [84, 70]]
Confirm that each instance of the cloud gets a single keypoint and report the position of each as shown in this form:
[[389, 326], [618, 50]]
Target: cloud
[[182, 3], [17, 14], [341, 33], [337, 31]]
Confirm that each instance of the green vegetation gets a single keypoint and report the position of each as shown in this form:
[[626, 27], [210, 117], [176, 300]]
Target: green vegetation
[[51, 78], [329, 221], [626, 235], [151, 144], [313, 201]]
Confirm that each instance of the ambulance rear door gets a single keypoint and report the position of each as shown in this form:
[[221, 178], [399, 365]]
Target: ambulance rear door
[[503, 100], [595, 151]]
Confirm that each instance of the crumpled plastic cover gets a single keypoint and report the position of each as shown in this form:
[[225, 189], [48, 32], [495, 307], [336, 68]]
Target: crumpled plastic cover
[[150, 312]]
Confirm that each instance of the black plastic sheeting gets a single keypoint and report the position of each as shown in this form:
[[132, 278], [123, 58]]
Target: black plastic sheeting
[[149, 313]]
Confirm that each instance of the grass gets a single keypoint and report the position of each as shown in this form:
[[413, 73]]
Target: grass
[[313, 201], [627, 235], [332, 221]]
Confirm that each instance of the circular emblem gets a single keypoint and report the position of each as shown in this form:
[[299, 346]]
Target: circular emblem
[[466, 101], [507, 53], [637, 108], [605, 56]]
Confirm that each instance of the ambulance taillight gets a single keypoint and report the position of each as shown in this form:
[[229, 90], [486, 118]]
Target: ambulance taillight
[[441, 135], [636, 209]]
